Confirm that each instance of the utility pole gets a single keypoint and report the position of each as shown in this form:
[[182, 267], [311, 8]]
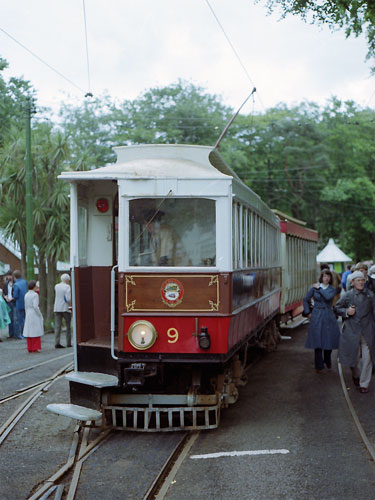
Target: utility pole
[[29, 195]]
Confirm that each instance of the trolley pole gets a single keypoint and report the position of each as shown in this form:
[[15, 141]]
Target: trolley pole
[[29, 195]]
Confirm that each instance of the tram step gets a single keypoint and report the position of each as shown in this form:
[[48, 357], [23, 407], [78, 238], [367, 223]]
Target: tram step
[[92, 378], [295, 323], [74, 411]]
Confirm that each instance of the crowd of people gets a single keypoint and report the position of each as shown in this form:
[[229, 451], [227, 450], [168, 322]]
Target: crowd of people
[[351, 298], [20, 315]]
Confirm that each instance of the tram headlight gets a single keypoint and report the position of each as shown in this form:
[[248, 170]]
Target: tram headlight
[[204, 338], [142, 335]]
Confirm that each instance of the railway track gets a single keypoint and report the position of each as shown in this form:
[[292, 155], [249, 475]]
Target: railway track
[[81, 448], [37, 390], [32, 367], [165, 478], [65, 481], [369, 446]]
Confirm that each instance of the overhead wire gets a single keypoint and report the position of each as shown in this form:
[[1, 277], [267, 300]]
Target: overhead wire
[[41, 60], [88, 94], [233, 48]]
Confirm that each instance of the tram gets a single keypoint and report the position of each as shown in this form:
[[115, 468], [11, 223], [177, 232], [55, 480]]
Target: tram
[[178, 268]]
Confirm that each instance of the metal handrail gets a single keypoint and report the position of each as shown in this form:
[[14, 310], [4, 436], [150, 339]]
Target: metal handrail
[[113, 309]]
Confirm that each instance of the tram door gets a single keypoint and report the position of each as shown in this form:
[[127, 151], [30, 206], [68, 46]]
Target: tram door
[[97, 249]]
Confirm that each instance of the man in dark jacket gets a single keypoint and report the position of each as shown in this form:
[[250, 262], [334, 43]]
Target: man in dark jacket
[[357, 342]]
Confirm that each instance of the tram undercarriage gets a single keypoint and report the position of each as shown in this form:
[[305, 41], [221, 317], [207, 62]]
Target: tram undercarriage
[[153, 396]]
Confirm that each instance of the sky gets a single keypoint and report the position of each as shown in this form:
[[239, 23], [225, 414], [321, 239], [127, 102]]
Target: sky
[[135, 45]]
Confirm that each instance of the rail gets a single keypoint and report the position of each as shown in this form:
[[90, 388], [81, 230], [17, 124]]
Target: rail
[[113, 309]]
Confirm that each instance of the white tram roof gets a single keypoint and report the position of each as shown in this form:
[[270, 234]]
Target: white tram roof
[[159, 161], [168, 161]]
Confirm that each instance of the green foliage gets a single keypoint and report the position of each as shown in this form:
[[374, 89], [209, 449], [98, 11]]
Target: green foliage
[[89, 129], [315, 164], [13, 94], [178, 114], [285, 158]]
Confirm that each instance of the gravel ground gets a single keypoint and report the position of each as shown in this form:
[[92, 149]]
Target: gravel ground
[[41, 441], [285, 405]]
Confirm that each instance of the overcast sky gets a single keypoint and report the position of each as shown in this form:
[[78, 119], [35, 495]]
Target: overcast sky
[[134, 45]]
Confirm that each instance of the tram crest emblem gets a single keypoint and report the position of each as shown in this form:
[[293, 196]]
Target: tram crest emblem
[[172, 292]]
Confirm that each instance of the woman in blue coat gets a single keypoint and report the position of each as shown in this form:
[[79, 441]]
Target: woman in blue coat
[[324, 333]]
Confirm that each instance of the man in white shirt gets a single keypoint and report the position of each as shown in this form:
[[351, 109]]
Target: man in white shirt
[[61, 309]]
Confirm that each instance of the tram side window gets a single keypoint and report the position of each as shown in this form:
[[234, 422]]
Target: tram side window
[[244, 237], [237, 236], [176, 232]]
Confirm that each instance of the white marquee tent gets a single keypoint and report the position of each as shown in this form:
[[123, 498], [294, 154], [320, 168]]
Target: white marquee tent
[[331, 254]]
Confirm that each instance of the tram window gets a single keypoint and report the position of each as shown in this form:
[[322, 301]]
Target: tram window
[[115, 230], [234, 233], [238, 235], [174, 232], [248, 236], [261, 249], [82, 234], [244, 237]]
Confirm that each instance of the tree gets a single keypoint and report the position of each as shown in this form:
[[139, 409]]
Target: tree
[[51, 202], [51, 208], [349, 137], [13, 94], [179, 113], [90, 130], [285, 158], [355, 16], [13, 193], [357, 225]]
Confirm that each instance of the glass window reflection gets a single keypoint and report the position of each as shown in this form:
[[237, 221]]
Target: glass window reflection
[[177, 232]]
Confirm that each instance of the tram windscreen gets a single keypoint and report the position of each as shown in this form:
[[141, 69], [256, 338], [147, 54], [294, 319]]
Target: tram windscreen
[[176, 232]]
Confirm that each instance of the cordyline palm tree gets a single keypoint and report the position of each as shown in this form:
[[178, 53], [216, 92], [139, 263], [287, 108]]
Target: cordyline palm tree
[[13, 195], [50, 203], [51, 213]]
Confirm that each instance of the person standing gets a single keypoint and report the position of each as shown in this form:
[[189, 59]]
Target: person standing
[[371, 278], [357, 342], [369, 282], [345, 277], [9, 299], [62, 310], [19, 292], [323, 333], [349, 279], [33, 329], [4, 316], [336, 281]]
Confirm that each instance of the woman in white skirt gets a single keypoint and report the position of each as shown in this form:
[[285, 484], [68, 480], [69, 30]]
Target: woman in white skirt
[[33, 329]]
